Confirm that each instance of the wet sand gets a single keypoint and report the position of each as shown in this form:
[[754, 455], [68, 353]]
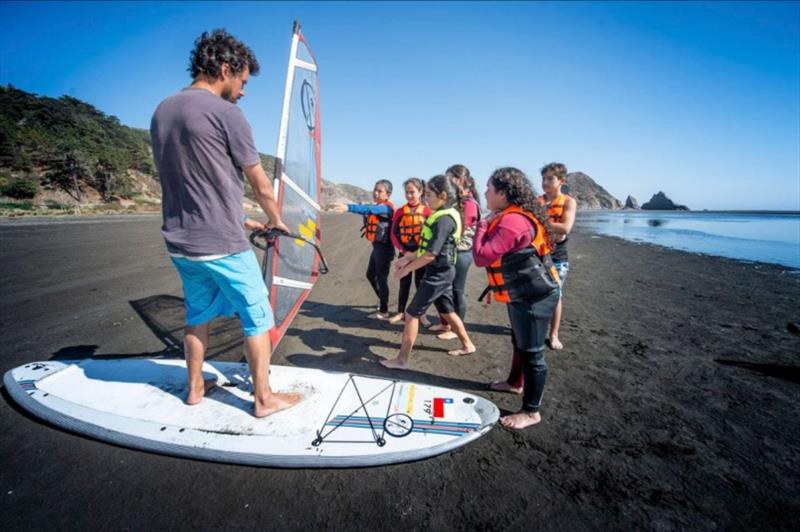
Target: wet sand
[[674, 404]]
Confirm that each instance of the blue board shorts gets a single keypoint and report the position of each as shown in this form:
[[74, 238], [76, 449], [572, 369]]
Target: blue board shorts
[[563, 270], [228, 286]]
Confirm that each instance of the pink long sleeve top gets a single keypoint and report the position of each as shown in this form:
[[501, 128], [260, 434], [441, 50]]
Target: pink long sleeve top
[[512, 233]]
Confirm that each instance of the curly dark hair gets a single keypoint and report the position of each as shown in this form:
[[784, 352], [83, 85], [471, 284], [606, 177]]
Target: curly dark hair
[[212, 50], [520, 192]]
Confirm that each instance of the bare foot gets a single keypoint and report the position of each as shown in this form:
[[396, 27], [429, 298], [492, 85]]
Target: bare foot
[[425, 321], [276, 403], [439, 327], [196, 395], [394, 363], [555, 343], [521, 419], [379, 316], [503, 386], [447, 335], [397, 318], [468, 350]]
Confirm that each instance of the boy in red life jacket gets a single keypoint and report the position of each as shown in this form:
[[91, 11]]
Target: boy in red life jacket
[[514, 245], [561, 210], [406, 230], [377, 229]]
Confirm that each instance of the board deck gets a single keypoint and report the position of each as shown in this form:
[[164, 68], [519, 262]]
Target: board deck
[[344, 420]]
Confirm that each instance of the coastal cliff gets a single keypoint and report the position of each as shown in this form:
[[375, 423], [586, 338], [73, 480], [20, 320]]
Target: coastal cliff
[[588, 194]]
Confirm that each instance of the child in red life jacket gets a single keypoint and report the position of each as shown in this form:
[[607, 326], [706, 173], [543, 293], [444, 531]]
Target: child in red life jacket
[[514, 244], [377, 229], [406, 230], [437, 254]]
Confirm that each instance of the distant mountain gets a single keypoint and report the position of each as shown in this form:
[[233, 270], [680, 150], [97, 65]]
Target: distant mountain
[[588, 194], [343, 193], [631, 203], [660, 202]]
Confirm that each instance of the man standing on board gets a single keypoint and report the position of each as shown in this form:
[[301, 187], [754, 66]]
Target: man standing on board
[[201, 145]]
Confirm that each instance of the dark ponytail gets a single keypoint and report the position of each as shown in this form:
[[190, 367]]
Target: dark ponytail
[[465, 181]]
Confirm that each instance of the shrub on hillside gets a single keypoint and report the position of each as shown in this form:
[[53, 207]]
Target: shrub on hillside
[[20, 188]]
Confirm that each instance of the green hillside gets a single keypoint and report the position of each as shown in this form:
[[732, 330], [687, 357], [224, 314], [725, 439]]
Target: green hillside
[[64, 149], [69, 144]]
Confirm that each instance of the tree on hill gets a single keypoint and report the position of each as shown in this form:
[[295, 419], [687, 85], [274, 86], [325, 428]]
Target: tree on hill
[[70, 143]]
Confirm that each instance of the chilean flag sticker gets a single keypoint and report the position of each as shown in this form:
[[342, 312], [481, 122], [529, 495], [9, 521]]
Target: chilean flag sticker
[[439, 405]]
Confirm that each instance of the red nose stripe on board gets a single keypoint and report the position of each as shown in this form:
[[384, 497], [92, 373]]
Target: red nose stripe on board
[[438, 405]]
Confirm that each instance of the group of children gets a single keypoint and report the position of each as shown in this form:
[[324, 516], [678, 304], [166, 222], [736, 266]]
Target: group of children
[[439, 232]]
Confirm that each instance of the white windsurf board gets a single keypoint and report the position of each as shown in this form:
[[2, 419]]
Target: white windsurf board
[[344, 420]]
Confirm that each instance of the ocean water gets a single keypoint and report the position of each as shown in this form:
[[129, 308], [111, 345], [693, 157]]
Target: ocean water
[[772, 237]]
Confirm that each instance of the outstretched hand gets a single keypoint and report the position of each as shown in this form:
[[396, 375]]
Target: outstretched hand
[[400, 273], [340, 208]]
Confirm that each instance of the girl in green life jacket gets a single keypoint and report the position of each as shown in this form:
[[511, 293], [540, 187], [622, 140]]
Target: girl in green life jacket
[[437, 254]]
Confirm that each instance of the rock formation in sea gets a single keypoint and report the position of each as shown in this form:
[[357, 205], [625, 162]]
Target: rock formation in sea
[[660, 202], [588, 194], [631, 203]]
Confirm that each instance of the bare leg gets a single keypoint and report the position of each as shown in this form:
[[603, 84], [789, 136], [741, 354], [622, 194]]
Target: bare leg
[[195, 342], [410, 331], [457, 327], [258, 351], [555, 325], [521, 419]]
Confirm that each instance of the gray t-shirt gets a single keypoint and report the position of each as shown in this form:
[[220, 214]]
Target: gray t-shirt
[[200, 144]]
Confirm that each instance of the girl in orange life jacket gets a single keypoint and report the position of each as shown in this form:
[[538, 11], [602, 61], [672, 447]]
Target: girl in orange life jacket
[[406, 230], [376, 229], [513, 243], [561, 213], [470, 215], [437, 253]]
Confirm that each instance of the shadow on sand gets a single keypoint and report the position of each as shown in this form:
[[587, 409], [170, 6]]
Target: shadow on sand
[[779, 371], [357, 357], [356, 316]]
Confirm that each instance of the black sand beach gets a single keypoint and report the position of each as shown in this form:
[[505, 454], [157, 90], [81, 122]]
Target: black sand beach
[[674, 404]]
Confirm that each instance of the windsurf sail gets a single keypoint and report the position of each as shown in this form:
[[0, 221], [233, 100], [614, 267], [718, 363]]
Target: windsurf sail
[[292, 261]]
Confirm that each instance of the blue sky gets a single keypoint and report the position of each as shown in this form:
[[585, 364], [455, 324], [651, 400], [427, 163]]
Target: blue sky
[[700, 100]]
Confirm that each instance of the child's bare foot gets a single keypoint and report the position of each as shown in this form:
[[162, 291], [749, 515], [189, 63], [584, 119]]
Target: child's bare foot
[[447, 335], [521, 419], [425, 321], [504, 386], [394, 363], [196, 393], [466, 350], [379, 316], [276, 403], [397, 318], [439, 327], [555, 343]]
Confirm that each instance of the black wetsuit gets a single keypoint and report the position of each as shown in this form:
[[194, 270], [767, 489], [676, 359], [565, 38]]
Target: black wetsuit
[[436, 287], [380, 263]]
